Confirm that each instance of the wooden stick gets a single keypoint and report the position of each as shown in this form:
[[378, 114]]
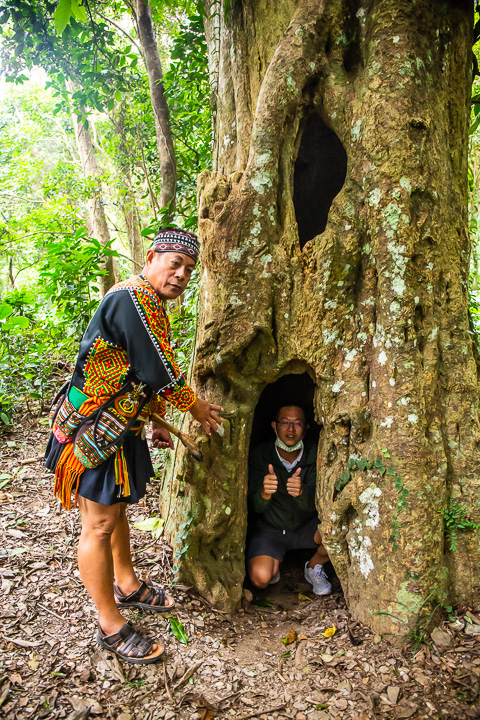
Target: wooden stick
[[29, 461], [185, 439], [257, 713]]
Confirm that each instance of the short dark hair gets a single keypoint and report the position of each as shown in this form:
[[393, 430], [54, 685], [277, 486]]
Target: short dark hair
[[290, 404]]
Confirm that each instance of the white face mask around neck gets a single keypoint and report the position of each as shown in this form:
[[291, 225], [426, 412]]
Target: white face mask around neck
[[282, 445]]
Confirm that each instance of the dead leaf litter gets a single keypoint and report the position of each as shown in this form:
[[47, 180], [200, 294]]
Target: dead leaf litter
[[236, 667]]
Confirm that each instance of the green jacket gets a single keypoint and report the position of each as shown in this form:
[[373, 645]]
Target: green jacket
[[282, 511]]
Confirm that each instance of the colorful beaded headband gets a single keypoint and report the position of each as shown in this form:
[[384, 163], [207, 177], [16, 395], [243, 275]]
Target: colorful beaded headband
[[176, 240]]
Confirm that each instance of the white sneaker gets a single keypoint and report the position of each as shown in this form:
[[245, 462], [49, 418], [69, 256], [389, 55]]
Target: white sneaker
[[275, 579], [316, 576]]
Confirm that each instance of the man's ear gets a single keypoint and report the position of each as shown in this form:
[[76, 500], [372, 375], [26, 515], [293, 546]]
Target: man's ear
[[150, 255], [273, 423]]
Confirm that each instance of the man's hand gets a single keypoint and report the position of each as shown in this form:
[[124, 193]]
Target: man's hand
[[294, 484], [206, 415], [270, 484], [161, 438]]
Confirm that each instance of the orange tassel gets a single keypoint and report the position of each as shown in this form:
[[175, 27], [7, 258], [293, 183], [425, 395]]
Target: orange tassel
[[67, 474], [121, 472]]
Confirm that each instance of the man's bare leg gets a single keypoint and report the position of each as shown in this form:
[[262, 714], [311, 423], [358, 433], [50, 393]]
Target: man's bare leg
[[321, 555], [262, 569], [125, 575], [95, 561]]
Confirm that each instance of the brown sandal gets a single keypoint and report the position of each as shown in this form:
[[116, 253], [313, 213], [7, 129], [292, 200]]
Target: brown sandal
[[143, 600], [131, 641]]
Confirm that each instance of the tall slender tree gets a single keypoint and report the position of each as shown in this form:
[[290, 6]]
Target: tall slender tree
[[153, 64]]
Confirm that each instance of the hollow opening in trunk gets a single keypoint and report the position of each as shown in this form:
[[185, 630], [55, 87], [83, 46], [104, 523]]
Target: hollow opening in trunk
[[319, 175], [300, 519], [287, 390]]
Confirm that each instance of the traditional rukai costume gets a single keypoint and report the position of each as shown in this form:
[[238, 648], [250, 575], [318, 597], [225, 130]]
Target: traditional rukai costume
[[128, 337]]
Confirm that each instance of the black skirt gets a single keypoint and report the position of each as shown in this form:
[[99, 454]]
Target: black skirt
[[98, 484]]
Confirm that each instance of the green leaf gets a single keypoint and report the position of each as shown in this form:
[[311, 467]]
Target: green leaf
[[118, 95], [391, 471], [4, 418], [79, 11], [262, 602], [378, 463], [474, 125], [62, 15], [179, 631], [5, 310], [151, 524], [202, 10]]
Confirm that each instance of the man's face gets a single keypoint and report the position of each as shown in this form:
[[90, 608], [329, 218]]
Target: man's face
[[168, 273], [290, 425]]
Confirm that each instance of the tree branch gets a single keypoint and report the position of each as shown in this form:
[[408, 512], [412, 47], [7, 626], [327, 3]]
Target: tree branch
[[112, 22]]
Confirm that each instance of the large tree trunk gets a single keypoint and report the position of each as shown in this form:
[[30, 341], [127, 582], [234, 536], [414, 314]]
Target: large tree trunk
[[98, 226], [166, 152], [373, 307]]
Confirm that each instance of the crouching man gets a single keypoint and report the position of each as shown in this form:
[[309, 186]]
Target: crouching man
[[281, 494]]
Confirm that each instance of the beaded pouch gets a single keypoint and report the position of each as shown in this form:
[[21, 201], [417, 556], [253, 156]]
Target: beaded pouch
[[100, 436], [67, 420]]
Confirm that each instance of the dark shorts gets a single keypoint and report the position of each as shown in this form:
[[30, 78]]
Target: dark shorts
[[267, 540], [98, 484]]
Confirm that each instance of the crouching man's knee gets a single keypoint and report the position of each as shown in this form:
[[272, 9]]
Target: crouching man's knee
[[261, 573]]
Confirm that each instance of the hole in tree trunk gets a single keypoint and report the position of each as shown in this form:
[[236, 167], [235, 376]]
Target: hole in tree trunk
[[291, 389], [287, 390], [320, 170]]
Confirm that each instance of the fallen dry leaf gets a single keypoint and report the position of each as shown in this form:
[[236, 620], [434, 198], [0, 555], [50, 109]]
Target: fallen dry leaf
[[472, 629], [472, 617], [33, 662], [207, 714], [393, 693], [406, 711], [441, 637], [290, 638], [329, 632], [4, 690], [198, 700]]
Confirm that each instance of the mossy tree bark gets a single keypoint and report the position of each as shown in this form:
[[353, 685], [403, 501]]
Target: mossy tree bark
[[374, 308]]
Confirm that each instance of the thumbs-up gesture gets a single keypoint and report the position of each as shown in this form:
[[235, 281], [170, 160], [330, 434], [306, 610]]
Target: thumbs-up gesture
[[294, 484], [270, 484]]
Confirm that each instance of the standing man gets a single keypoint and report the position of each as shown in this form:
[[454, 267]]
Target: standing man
[[281, 493], [127, 337]]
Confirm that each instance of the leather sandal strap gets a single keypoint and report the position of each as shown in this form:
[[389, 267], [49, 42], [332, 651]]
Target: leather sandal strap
[[134, 644], [135, 596], [118, 637], [160, 595], [148, 595]]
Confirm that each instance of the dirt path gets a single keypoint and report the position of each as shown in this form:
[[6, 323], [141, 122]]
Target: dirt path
[[233, 666]]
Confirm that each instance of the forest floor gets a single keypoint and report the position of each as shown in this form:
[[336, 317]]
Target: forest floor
[[233, 667]]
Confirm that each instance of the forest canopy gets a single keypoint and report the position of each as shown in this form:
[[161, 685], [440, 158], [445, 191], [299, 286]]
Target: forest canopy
[[75, 74]]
